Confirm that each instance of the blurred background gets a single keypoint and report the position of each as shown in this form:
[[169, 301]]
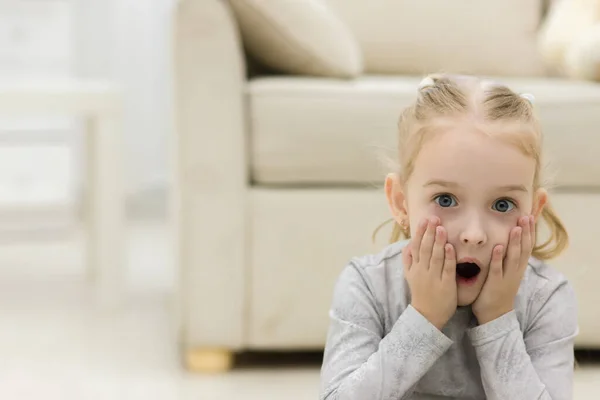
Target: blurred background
[[181, 182]]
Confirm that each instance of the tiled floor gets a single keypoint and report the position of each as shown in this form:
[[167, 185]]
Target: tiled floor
[[54, 344]]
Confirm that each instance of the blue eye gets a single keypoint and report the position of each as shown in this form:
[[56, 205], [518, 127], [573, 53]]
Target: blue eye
[[445, 200], [503, 205]]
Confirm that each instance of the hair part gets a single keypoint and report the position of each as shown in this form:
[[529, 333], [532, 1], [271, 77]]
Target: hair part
[[511, 115]]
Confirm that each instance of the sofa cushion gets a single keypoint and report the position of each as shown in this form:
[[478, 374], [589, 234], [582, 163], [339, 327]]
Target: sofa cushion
[[466, 36], [307, 131], [299, 37]]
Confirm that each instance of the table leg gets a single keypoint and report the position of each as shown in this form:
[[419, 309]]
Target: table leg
[[104, 209]]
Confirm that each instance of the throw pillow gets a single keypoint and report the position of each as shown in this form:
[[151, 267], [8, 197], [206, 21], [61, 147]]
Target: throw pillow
[[302, 37]]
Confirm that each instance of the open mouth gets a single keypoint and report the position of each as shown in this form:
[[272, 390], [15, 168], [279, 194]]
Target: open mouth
[[467, 270]]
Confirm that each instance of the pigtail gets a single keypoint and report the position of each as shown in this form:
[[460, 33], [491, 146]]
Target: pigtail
[[398, 232], [558, 240]]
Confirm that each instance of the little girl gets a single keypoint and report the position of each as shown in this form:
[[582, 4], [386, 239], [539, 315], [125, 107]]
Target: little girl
[[467, 309]]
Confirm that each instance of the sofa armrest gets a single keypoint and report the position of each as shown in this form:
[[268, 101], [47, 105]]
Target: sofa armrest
[[209, 174]]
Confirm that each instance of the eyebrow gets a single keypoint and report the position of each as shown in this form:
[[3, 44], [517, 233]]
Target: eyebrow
[[508, 188]]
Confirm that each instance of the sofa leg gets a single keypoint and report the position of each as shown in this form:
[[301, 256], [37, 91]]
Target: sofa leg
[[209, 360]]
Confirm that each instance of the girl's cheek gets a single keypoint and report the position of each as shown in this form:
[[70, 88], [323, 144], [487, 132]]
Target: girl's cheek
[[444, 214], [449, 222], [434, 209], [502, 228]]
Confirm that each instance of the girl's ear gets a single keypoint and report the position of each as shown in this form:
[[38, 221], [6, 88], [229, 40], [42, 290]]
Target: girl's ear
[[396, 198], [540, 198]]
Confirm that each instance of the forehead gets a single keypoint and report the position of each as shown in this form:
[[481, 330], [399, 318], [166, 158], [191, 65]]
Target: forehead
[[468, 156]]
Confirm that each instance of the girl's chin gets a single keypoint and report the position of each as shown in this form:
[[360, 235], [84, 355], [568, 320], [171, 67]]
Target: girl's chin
[[467, 294], [466, 303]]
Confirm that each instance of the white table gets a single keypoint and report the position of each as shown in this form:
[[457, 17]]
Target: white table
[[99, 104]]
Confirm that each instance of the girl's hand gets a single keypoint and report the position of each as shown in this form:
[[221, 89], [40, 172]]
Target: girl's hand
[[497, 296], [430, 269]]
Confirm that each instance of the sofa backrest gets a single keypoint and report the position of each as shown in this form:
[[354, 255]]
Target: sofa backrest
[[491, 37]]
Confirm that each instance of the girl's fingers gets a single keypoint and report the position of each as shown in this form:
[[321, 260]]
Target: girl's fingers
[[427, 243], [415, 242], [513, 255], [407, 258], [526, 244], [532, 230], [436, 263], [496, 270], [449, 270]]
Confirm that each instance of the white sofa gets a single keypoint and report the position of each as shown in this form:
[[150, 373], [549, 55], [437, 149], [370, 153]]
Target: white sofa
[[278, 178]]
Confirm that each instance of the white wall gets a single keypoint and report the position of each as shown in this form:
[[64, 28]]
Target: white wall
[[128, 40], [122, 40], [36, 166]]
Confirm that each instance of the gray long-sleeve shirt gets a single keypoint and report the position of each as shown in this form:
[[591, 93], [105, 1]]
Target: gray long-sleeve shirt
[[380, 348]]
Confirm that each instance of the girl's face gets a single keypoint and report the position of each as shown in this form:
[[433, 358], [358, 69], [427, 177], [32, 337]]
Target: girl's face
[[478, 186]]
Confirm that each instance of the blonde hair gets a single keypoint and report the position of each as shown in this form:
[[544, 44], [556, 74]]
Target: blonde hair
[[443, 96]]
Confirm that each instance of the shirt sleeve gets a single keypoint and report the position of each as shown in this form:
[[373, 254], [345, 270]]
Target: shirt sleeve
[[359, 362], [535, 364]]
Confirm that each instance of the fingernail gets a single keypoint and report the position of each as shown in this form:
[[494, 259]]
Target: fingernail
[[439, 230]]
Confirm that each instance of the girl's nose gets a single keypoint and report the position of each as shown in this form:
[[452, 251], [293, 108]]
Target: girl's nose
[[473, 239], [474, 234]]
